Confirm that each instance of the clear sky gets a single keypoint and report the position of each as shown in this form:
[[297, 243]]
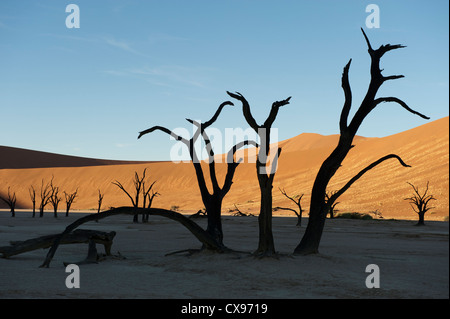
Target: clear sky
[[133, 64]]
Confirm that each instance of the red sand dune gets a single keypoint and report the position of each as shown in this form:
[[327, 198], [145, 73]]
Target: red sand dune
[[425, 148]]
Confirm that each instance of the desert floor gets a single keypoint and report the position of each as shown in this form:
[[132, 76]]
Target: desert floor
[[413, 261]]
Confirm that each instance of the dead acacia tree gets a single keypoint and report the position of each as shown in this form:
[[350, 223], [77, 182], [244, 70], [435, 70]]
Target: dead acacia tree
[[55, 199], [100, 201], [419, 203], [148, 197], [32, 193], [265, 172], [45, 195], [331, 206], [297, 201], [10, 201], [211, 200], [310, 241], [70, 198], [139, 187]]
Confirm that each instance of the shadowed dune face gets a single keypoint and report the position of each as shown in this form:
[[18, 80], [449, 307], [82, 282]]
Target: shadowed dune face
[[383, 189]]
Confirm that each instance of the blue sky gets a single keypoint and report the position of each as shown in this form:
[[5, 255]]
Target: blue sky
[[134, 64]]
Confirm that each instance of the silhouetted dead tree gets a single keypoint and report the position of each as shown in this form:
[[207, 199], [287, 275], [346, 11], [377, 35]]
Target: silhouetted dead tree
[[32, 193], [266, 246], [45, 195], [331, 206], [70, 198], [419, 203], [310, 241], [55, 199], [148, 197], [10, 201], [212, 200], [139, 187], [297, 201], [100, 201]]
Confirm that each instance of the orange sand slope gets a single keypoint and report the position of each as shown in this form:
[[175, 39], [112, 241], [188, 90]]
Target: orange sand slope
[[383, 189]]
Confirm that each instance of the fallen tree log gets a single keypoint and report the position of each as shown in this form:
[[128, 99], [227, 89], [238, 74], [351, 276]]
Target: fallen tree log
[[77, 236], [203, 236]]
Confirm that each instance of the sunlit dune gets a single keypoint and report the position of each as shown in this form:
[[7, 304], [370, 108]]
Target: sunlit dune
[[383, 189]]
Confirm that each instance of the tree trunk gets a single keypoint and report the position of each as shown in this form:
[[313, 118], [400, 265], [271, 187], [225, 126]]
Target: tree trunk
[[421, 221], [77, 236], [266, 246], [318, 208], [213, 213]]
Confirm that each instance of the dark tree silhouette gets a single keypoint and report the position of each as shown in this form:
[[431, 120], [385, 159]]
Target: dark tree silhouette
[[331, 206], [70, 198], [297, 201], [148, 197], [419, 203], [139, 187], [45, 195], [32, 193], [310, 241], [55, 199], [266, 246], [100, 201], [10, 201], [212, 200]]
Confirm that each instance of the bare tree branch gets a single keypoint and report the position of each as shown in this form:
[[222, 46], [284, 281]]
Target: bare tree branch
[[348, 98], [403, 104]]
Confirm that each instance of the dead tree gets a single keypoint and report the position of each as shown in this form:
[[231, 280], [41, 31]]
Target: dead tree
[[10, 201], [45, 195], [297, 201], [55, 199], [310, 241], [266, 246], [100, 200], [419, 203], [139, 187], [32, 193], [70, 198], [332, 206], [203, 236], [211, 200], [148, 197]]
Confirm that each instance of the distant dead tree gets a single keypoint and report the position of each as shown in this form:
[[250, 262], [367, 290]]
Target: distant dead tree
[[139, 187], [10, 201], [211, 200], [265, 172], [45, 195], [55, 199], [32, 193], [331, 206], [297, 201], [419, 203], [99, 203], [70, 198], [310, 241], [100, 200], [148, 197]]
